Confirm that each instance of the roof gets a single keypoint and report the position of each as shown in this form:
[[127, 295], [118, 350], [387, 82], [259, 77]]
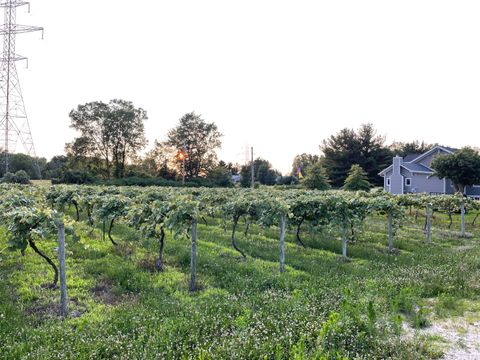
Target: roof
[[412, 167], [410, 162], [435, 148], [450, 149], [416, 167], [410, 157]]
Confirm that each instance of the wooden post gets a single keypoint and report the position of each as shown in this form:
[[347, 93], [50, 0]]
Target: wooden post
[[63, 270], [429, 227], [282, 244], [462, 211], [104, 227], [193, 258], [344, 240], [390, 231]]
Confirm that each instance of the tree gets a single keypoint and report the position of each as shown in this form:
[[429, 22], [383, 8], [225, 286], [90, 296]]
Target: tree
[[348, 147], [357, 179], [20, 177], [302, 162], [404, 148], [233, 168], [461, 167], [220, 175], [33, 166], [263, 173], [199, 141], [55, 167], [112, 132], [316, 178], [160, 162]]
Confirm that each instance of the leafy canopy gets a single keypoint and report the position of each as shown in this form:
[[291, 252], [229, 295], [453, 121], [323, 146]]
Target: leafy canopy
[[112, 132], [461, 167], [199, 140]]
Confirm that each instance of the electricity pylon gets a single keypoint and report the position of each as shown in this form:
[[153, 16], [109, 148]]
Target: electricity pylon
[[14, 125]]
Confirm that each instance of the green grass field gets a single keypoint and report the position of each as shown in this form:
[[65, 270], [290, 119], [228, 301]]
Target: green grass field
[[320, 308]]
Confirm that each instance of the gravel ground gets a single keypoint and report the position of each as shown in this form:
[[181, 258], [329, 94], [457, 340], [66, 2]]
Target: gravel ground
[[462, 338]]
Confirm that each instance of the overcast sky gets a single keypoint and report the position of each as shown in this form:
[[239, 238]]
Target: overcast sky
[[277, 75]]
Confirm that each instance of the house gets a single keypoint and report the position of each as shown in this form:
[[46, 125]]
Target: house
[[413, 174]]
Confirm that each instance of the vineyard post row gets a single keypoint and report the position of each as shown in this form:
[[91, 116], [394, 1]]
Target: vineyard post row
[[31, 213]]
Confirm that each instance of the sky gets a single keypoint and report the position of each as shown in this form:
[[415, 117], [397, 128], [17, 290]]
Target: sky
[[277, 75]]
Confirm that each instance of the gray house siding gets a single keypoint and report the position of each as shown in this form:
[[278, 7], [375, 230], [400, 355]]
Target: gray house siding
[[387, 176], [449, 189], [427, 160], [417, 173], [473, 191], [430, 185], [406, 175]]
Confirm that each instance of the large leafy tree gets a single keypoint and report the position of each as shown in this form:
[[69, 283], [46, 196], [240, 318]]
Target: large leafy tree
[[461, 167], [264, 173], [302, 162], [199, 141], [160, 161], [33, 166], [363, 147], [112, 132], [55, 167]]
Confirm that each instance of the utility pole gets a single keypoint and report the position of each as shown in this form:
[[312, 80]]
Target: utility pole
[[13, 117], [252, 170]]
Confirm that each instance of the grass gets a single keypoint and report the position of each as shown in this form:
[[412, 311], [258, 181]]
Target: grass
[[320, 307]]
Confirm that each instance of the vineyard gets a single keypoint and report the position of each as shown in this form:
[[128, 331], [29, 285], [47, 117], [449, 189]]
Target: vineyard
[[231, 273]]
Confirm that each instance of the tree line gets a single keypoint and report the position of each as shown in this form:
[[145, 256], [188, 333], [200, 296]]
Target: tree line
[[111, 140], [351, 159]]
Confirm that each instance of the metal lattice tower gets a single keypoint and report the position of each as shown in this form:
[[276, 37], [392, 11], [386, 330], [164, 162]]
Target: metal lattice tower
[[14, 125]]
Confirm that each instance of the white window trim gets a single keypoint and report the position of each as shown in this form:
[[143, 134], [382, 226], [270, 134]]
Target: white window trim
[[409, 180]]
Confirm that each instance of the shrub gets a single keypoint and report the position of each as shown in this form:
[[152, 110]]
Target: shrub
[[137, 181], [20, 177], [75, 177]]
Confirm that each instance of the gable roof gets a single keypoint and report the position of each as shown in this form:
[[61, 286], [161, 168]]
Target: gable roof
[[410, 161], [417, 167], [410, 157], [414, 168], [435, 148]]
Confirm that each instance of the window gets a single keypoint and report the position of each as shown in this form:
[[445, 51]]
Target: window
[[388, 181], [408, 182]]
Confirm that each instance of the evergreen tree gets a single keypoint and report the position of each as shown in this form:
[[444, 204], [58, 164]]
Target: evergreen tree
[[357, 179], [316, 178], [348, 147]]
